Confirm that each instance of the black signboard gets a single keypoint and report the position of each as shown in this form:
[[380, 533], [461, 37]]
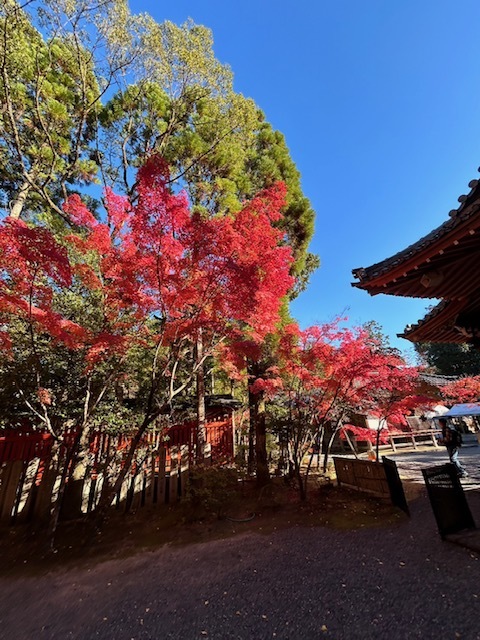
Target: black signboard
[[448, 500], [395, 485]]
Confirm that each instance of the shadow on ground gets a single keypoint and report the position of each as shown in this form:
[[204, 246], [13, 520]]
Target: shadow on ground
[[27, 552]]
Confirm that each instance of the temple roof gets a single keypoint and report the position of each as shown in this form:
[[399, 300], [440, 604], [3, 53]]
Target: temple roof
[[443, 265], [439, 325], [420, 270]]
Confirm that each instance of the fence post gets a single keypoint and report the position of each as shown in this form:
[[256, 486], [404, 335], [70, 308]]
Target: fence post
[[46, 477], [10, 478], [22, 491], [160, 481], [173, 484], [184, 466]]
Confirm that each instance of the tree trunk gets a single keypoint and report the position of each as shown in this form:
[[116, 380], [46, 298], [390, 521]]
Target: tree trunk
[[377, 442], [303, 495], [295, 459], [201, 435], [347, 437], [302, 483], [257, 452], [73, 494], [263, 474], [251, 433], [17, 207], [327, 452]]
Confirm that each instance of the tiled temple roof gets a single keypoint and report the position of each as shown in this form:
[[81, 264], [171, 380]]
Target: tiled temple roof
[[443, 265], [468, 209]]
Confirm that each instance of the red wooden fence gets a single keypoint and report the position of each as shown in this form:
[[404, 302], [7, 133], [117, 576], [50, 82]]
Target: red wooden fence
[[29, 477], [27, 444]]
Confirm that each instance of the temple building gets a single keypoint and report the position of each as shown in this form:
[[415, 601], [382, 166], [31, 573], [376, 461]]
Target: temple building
[[444, 265]]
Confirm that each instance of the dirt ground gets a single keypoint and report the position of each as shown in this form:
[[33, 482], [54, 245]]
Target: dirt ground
[[261, 565], [341, 567], [26, 552]]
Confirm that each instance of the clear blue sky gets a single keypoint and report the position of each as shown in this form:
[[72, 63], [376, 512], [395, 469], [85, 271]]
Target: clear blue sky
[[379, 102]]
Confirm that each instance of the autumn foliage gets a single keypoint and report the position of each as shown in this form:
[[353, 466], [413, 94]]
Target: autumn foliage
[[327, 373], [151, 257], [126, 297], [461, 391], [124, 300], [345, 370]]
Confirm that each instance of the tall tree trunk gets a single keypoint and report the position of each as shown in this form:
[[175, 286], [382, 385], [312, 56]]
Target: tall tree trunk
[[258, 429], [201, 426], [263, 474], [251, 433], [17, 206]]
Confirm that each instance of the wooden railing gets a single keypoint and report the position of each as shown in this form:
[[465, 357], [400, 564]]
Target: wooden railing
[[29, 472], [416, 434]]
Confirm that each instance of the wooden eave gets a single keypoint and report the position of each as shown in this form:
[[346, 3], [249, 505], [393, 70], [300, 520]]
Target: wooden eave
[[440, 324], [450, 272], [436, 326], [443, 264], [455, 244]]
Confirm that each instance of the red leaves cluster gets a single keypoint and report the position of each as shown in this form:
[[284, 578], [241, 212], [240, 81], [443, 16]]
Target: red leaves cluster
[[32, 266], [364, 434], [333, 371], [462, 391], [223, 274]]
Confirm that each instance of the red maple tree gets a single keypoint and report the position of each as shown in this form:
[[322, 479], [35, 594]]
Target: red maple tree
[[156, 276], [327, 373]]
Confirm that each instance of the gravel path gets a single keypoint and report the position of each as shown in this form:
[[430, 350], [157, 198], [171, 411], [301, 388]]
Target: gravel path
[[410, 464], [394, 583]]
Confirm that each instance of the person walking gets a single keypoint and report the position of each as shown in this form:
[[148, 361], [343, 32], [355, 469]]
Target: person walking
[[452, 439]]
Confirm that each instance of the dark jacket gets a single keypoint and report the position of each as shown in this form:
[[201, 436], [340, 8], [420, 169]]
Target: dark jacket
[[451, 437]]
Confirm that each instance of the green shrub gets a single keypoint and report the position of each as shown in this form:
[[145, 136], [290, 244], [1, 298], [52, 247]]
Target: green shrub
[[210, 491]]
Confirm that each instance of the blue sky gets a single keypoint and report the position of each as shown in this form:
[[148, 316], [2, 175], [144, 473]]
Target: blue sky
[[379, 103]]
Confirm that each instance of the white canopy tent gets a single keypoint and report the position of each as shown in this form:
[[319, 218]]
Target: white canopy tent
[[437, 412]]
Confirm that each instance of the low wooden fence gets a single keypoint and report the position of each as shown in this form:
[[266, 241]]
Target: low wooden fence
[[417, 434], [30, 474], [362, 474], [412, 439]]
